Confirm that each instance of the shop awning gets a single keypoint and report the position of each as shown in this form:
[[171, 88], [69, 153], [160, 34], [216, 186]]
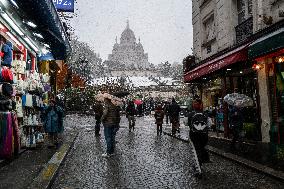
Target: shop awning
[[267, 44], [46, 57], [43, 13], [234, 56]]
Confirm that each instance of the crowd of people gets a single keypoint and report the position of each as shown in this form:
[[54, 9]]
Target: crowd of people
[[109, 115]]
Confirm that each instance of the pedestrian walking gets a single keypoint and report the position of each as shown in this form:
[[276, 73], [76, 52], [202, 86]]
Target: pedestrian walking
[[174, 111], [159, 116], [98, 109], [235, 123], [117, 124], [166, 111], [110, 120], [198, 122], [53, 122], [130, 114]]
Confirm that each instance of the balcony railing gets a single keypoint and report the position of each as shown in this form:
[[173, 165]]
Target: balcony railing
[[244, 30]]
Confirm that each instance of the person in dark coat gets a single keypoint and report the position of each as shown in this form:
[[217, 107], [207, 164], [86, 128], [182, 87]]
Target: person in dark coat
[[198, 122], [174, 111], [130, 113], [98, 109], [166, 111], [110, 119], [159, 116], [236, 124]]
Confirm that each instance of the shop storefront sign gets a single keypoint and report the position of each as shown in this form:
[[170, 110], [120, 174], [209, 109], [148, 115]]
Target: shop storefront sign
[[64, 5], [237, 55]]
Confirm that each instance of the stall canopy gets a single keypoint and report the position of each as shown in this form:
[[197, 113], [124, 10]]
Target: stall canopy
[[43, 13], [237, 55], [267, 44]]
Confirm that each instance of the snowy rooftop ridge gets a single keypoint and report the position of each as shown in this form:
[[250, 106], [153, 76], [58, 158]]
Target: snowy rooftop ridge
[[136, 81]]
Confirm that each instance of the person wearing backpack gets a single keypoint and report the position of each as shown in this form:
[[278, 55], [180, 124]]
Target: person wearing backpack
[[159, 116], [198, 122]]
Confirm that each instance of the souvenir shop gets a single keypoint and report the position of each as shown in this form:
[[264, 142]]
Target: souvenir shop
[[23, 91]]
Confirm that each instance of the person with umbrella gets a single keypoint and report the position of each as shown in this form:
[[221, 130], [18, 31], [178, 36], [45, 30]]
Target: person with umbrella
[[236, 123], [110, 120], [236, 101]]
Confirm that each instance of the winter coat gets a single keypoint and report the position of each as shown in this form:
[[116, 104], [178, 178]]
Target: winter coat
[[235, 117], [53, 119], [98, 109], [166, 109], [7, 59], [174, 110], [111, 115], [130, 110], [159, 116]]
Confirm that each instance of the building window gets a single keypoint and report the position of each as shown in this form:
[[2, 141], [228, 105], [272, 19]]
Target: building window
[[209, 28], [244, 8]]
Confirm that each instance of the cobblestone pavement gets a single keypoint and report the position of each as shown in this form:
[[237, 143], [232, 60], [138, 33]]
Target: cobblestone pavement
[[144, 160]]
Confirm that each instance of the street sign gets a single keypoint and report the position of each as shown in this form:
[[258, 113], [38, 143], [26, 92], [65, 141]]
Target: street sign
[[64, 5]]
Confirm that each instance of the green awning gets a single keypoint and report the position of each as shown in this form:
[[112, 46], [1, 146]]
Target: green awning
[[267, 44]]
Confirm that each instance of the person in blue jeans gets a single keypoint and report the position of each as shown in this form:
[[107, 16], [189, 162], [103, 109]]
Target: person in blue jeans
[[110, 120]]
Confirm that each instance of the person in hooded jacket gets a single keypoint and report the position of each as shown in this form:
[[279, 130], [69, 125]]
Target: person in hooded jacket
[[159, 116], [53, 122]]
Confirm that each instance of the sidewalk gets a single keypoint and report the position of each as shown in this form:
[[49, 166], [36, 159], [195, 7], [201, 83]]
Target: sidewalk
[[184, 136], [20, 172]]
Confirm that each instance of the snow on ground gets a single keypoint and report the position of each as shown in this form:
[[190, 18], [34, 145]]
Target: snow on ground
[[135, 81]]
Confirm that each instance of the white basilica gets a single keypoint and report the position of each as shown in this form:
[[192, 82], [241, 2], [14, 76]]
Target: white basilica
[[128, 57]]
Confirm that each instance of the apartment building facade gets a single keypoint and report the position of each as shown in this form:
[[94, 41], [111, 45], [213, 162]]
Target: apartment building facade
[[238, 44]]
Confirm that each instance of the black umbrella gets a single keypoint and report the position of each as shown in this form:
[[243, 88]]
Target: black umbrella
[[120, 94]]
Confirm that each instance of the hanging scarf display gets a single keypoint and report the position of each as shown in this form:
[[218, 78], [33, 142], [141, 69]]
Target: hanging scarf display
[[6, 143]]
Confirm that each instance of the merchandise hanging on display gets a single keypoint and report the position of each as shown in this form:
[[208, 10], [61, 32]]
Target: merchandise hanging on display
[[23, 92], [10, 137]]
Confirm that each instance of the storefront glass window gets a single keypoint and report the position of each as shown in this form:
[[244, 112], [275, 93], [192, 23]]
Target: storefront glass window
[[276, 81]]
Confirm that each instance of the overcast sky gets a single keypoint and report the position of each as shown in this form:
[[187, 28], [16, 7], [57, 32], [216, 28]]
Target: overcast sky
[[164, 26]]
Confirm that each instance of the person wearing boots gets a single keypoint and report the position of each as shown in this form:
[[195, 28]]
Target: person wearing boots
[[159, 116]]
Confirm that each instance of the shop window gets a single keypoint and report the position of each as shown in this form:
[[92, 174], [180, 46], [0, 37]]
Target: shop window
[[276, 83]]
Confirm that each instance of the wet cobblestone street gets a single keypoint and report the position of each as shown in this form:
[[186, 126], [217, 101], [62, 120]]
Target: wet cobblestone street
[[144, 160]]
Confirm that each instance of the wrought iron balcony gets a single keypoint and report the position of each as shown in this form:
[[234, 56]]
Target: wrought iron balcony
[[244, 30]]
